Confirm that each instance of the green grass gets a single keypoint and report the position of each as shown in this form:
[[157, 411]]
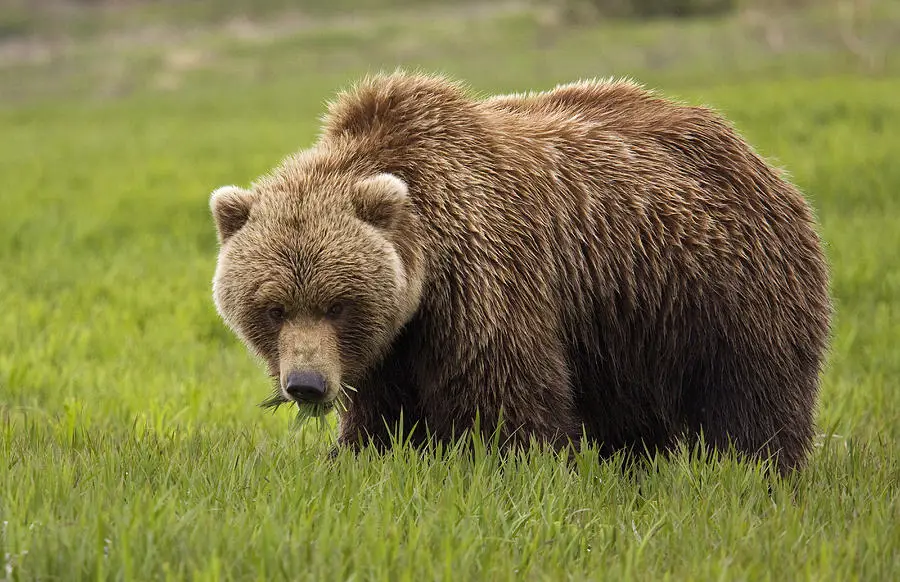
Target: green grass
[[131, 446]]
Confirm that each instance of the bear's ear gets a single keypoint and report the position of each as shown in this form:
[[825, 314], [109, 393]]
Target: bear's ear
[[381, 200], [230, 207]]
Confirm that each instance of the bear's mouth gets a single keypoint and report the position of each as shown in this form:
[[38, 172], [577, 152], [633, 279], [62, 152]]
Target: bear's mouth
[[315, 409], [309, 411], [306, 410]]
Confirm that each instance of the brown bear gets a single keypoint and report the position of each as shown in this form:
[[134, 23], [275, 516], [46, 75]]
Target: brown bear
[[591, 261]]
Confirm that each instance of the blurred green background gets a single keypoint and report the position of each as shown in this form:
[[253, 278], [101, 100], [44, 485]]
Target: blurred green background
[[114, 48]]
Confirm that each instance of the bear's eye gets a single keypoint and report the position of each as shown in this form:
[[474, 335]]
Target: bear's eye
[[276, 313], [335, 310]]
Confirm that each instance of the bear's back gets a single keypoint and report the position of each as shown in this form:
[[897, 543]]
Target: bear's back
[[615, 105]]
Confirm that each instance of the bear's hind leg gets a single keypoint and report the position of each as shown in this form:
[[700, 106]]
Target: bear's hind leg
[[762, 406]]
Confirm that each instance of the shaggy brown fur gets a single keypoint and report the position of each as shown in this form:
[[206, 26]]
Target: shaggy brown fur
[[593, 257]]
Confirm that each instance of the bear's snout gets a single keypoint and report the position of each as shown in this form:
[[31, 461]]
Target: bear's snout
[[305, 386]]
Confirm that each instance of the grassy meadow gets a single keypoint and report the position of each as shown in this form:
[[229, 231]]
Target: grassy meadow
[[131, 446]]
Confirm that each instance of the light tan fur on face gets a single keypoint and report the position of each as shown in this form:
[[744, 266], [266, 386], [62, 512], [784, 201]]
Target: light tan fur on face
[[317, 247], [230, 207], [309, 344]]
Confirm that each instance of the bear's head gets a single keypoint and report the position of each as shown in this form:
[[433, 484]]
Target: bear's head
[[317, 276]]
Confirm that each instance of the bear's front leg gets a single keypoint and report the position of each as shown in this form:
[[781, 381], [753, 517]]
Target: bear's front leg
[[379, 413], [513, 392]]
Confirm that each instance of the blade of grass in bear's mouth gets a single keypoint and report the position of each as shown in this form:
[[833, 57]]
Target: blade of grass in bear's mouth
[[305, 410]]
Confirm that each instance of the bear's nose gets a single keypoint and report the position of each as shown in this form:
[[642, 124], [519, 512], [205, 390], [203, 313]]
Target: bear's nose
[[306, 386]]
